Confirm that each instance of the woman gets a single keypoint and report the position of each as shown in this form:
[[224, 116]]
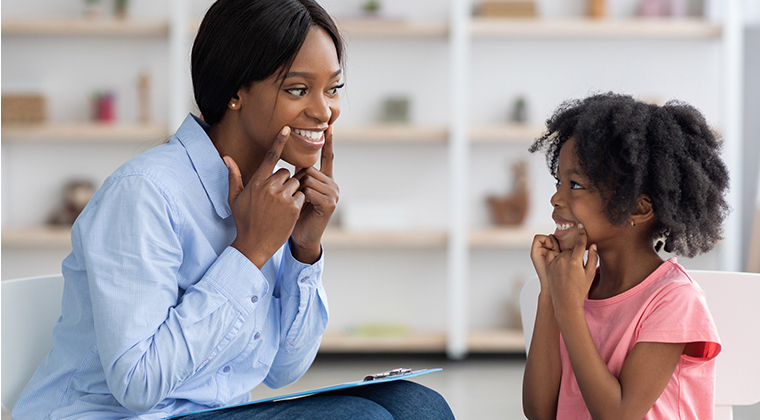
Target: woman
[[195, 273]]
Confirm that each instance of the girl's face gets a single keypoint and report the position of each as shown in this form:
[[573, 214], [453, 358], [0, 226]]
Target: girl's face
[[574, 203], [306, 100]]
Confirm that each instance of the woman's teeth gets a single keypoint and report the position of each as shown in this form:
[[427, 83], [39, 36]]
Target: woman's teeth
[[311, 135], [564, 226]]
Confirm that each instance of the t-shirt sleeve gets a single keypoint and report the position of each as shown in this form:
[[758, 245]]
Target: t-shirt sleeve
[[679, 314]]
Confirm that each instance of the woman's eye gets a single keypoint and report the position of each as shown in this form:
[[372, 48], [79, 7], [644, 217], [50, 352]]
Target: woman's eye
[[299, 92], [334, 91]]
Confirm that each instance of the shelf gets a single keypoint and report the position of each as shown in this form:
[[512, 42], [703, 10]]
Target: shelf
[[85, 27], [83, 132], [391, 133], [339, 238], [506, 133], [588, 28], [502, 237], [54, 236], [492, 341], [37, 237], [392, 28]]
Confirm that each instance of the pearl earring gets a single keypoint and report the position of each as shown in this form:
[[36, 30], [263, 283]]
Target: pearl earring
[[633, 223]]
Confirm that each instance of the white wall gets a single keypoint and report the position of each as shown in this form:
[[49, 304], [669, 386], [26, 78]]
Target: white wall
[[361, 282]]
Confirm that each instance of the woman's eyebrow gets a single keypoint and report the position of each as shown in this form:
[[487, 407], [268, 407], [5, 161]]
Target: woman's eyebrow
[[307, 75]]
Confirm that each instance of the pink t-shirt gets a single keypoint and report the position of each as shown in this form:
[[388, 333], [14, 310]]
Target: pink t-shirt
[[667, 307]]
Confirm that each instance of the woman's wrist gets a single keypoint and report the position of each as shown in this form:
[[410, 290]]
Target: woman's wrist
[[308, 254]]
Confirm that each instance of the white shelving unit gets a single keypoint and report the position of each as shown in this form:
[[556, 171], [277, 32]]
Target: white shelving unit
[[461, 140]]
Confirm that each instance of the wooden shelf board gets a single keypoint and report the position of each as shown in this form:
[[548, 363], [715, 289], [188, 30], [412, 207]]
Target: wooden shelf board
[[392, 28], [44, 236], [501, 237], [602, 28], [85, 27], [496, 341], [84, 132], [391, 133], [491, 341], [505, 133], [37, 237], [339, 238]]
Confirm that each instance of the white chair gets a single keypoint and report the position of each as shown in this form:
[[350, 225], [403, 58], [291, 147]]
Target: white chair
[[733, 301], [30, 309]]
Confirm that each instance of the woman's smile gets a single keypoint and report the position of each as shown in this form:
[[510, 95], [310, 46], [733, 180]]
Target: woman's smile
[[313, 139]]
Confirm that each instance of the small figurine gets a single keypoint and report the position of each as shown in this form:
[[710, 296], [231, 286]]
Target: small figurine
[[511, 209], [76, 194], [520, 111], [396, 110], [120, 8], [372, 7]]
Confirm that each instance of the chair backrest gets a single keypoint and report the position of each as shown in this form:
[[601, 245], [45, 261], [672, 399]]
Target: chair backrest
[[30, 309], [733, 301]]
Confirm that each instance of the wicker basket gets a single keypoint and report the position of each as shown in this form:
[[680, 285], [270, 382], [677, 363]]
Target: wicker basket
[[27, 108]]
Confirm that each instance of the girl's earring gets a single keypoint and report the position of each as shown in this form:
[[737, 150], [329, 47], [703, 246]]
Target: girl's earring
[[633, 223], [232, 105]]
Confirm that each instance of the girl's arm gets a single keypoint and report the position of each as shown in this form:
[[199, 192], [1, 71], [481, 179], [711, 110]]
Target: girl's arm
[[543, 367], [647, 369]]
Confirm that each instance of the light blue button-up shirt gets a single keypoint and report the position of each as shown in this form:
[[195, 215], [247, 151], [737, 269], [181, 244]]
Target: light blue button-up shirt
[[160, 315]]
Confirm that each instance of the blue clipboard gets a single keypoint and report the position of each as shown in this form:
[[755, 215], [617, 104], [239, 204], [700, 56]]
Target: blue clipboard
[[377, 378]]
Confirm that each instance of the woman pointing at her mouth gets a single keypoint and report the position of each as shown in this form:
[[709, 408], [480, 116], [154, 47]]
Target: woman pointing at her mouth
[[196, 269]]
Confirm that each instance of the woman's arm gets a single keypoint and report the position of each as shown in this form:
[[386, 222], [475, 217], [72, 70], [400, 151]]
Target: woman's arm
[[543, 368]]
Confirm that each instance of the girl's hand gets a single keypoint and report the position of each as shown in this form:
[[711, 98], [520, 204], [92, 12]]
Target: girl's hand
[[542, 246], [266, 210], [321, 194], [569, 278]]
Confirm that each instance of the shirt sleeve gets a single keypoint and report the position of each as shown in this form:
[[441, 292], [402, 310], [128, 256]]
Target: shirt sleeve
[[151, 339], [303, 319], [680, 315]]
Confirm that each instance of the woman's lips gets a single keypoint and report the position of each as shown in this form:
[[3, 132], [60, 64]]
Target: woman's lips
[[313, 139]]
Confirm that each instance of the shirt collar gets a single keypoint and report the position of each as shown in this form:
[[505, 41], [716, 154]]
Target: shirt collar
[[208, 164]]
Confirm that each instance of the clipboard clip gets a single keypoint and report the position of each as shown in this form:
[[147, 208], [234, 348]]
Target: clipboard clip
[[388, 374]]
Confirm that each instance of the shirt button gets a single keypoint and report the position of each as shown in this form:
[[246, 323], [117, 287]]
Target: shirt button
[[257, 336], [255, 299], [226, 368]]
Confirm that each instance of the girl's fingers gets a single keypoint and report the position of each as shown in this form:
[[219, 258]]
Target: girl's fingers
[[580, 245]]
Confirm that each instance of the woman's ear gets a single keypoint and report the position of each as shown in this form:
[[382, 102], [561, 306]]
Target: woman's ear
[[642, 211], [234, 102]]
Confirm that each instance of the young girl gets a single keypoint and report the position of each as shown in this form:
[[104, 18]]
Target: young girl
[[196, 269], [632, 338]]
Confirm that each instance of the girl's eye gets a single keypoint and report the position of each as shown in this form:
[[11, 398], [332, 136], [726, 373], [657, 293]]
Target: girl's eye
[[299, 92], [334, 91], [575, 186]]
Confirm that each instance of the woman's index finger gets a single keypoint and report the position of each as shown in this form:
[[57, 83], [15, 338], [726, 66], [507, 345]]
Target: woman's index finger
[[272, 156], [326, 163]]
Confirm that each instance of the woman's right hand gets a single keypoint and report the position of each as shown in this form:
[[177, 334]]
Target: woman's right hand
[[541, 247], [266, 210]]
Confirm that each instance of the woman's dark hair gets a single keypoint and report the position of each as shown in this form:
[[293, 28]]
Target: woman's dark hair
[[243, 41], [628, 148]]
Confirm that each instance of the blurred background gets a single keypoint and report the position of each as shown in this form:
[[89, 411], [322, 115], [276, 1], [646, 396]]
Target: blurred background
[[440, 198]]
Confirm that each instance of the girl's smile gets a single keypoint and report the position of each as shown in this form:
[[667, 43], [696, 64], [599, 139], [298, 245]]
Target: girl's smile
[[313, 139]]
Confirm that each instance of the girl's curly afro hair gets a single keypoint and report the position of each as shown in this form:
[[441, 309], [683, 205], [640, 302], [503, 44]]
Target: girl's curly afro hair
[[628, 148]]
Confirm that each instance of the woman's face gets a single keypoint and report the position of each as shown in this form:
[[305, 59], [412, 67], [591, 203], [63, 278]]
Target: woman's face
[[306, 100], [576, 202]]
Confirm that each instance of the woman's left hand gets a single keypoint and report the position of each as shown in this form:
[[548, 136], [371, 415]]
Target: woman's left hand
[[321, 194]]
